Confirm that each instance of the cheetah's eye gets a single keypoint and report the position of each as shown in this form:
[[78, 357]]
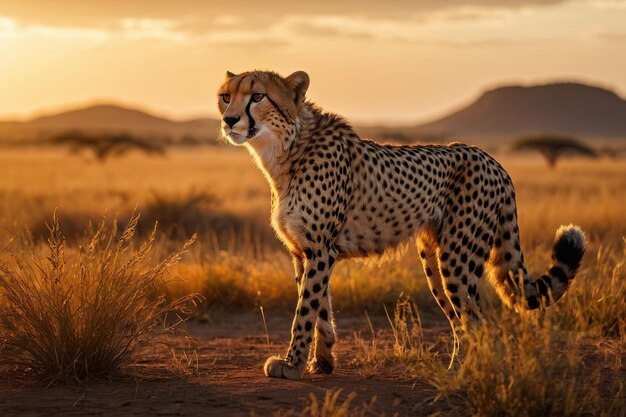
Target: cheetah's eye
[[225, 98], [256, 97]]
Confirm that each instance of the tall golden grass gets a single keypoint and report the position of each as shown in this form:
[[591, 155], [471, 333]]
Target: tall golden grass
[[565, 361], [35, 182], [511, 365], [82, 314], [220, 194]]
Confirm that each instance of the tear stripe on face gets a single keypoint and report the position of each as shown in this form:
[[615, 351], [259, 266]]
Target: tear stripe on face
[[251, 122]]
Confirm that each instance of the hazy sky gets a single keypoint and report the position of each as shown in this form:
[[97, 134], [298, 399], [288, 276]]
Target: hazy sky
[[372, 61]]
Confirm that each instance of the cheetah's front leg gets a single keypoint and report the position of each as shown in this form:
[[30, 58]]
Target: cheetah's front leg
[[323, 361], [298, 267], [311, 304]]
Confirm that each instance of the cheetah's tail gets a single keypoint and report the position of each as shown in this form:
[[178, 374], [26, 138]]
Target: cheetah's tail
[[568, 249]]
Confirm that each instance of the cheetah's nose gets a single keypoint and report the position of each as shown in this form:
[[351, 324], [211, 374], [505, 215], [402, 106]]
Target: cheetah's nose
[[231, 121]]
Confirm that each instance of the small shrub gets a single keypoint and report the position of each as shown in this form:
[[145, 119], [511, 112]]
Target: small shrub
[[84, 314]]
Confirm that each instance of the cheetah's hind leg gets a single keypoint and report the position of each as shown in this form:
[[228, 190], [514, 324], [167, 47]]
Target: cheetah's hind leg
[[427, 250]]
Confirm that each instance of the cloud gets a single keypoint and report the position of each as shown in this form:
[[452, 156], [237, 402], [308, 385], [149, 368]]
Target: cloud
[[609, 36], [100, 14], [608, 4], [11, 29], [283, 22], [288, 30], [163, 29], [417, 30]]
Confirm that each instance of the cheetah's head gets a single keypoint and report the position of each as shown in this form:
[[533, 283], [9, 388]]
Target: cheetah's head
[[261, 106]]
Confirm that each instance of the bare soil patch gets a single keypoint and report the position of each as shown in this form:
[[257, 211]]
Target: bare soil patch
[[229, 379]]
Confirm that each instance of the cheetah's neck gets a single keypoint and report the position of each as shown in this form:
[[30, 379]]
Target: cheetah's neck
[[278, 163]]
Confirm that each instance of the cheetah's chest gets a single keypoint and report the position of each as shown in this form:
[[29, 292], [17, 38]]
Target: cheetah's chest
[[287, 224]]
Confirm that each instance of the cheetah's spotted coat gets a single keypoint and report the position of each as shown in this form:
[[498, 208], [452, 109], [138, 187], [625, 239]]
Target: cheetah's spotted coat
[[336, 196]]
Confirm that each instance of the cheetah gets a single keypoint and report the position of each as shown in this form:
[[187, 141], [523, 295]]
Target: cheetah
[[336, 196]]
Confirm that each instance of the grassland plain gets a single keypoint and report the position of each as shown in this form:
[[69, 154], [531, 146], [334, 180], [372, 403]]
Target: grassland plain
[[572, 355]]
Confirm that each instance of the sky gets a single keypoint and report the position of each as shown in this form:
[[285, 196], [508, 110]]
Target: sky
[[392, 61]]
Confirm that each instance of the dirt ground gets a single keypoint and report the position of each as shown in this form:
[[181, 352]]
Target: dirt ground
[[229, 380]]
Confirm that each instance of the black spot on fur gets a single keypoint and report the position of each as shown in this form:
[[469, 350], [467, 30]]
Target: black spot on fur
[[533, 303], [455, 300]]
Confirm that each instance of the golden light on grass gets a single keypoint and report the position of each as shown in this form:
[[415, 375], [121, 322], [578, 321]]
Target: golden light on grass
[[573, 356], [70, 317]]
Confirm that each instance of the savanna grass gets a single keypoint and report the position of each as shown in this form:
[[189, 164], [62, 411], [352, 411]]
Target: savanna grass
[[238, 282], [510, 365], [335, 404], [596, 303], [86, 312]]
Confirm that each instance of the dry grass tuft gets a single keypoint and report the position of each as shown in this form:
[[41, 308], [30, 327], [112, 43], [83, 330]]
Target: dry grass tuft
[[408, 348], [597, 302], [512, 365], [74, 316], [521, 366], [334, 404]]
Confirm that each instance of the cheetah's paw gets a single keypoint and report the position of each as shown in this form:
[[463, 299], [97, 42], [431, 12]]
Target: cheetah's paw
[[277, 367]]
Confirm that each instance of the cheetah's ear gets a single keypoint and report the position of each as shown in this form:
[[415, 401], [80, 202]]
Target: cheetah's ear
[[230, 75], [299, 83]]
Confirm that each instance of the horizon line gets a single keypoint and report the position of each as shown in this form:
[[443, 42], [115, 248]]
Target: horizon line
[[167, 115]]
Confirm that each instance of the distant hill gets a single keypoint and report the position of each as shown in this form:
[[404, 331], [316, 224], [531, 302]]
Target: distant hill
[[502, 113], [110, 118], [562, 108]]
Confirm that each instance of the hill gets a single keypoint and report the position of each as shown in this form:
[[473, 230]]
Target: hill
[[501, 113], [110, 118], [561, 108]]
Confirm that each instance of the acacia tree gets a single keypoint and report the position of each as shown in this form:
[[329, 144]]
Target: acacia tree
[[554, 147], [104, 146]]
